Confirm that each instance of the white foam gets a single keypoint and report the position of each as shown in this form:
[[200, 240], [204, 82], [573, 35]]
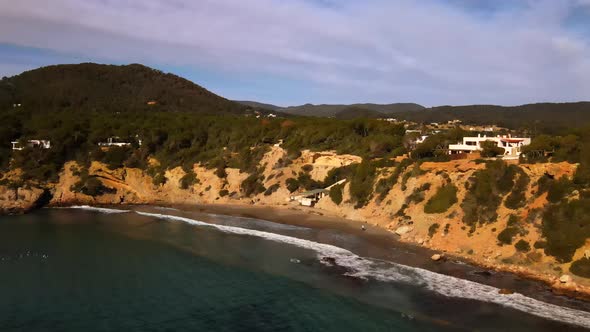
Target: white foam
[[98, 209], [391, 272]]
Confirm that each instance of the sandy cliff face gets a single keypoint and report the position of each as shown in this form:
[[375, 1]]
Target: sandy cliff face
[[19, 200], [397, 212]]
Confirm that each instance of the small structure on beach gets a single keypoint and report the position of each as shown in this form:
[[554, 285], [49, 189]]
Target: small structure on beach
[[32, 143], [311, 197]]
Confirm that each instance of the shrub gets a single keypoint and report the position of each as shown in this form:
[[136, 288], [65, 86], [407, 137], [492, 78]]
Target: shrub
[[292, 184], [490, 149], [506, 236], [581, 267], [566, 226], [433, 229], [417, 195], [485, 190], [307, 168], [91, 186], [223, 192], [522, 246], [558, 190], [361, 184], [252, 185], [188, 180], [384, 185], [272, 189], [517, 199], [445, 197], [336, 194]]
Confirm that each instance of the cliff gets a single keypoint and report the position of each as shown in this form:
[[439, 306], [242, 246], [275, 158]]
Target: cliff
[[402, 209]]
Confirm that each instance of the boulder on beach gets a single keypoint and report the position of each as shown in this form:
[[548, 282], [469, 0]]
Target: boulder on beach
[[404, 230], [564, 279], [436, 257]]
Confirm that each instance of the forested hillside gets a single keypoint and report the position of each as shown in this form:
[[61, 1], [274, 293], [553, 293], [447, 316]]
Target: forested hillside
[[92, 87]]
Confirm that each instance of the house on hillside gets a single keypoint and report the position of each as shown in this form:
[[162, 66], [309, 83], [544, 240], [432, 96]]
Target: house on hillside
[[33, 143], [512, 145], [117, 141]]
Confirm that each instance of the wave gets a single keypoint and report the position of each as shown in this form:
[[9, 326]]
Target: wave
[[385, 271], [97, 209]]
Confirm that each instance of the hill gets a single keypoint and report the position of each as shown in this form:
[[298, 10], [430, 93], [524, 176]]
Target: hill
[[354, 112], [95, 87], [541, 117], [331, 110], [257, 105]]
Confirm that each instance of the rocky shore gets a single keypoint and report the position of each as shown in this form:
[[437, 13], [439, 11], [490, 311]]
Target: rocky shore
[[399, 213]]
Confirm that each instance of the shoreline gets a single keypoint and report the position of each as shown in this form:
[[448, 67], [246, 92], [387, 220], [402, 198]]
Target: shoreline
[[380, 237]]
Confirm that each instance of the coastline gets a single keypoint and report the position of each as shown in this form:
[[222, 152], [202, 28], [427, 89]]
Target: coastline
[[499, 276]]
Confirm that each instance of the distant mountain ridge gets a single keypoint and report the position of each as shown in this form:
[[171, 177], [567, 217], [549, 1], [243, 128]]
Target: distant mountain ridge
[[328, 110]]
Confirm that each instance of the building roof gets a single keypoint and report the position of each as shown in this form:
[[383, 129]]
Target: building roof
[[313, 192]]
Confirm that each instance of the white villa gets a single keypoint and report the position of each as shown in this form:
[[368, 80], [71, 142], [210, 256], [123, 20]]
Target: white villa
[[32, 143], [512, 145], [116, 141]]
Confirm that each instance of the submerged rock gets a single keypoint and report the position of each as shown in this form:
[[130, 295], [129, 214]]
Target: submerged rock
[[436, 257]]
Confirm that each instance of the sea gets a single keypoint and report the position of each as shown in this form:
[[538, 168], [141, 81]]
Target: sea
[[163, 269]]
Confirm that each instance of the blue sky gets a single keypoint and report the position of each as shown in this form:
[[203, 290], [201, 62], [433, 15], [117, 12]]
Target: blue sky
[[289, 52]]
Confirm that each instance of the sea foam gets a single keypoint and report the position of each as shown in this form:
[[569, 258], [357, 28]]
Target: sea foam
[[98, 209], [385, 271]]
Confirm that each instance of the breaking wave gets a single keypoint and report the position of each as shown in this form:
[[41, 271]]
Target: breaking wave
[[385, 271], [98, 209]]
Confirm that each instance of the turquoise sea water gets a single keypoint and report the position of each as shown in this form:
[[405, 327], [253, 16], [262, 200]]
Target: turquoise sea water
[[78, 270]]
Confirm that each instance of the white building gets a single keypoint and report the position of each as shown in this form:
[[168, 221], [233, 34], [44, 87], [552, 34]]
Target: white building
[[33, 143], [116, 141], [512, 145]]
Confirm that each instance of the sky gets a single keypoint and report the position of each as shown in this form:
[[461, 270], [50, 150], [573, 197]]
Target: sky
[[291, 52]]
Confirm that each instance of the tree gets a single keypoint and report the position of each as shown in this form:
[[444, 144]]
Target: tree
[[490, 149]]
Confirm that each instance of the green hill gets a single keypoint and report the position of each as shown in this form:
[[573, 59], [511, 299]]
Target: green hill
[[332, 110], [95, 87]]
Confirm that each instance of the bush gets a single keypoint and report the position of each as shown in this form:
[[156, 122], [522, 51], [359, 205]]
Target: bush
[[336, 194], [433, 229], [252, 185], [581, 267], [566, 226], [522, 246], [490, 149], [307, 168], [445, 197], [292, 184], [223, 192], [558, 190], [485, 190], [517, 199], [91, 186], [417, 195], [507, 235], [384, 185], [188, 180], [361, 184], [272, 189]]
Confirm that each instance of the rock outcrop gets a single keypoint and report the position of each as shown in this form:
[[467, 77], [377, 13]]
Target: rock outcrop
[[19, 200]]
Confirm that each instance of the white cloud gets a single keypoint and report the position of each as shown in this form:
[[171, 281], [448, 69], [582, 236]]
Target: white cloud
[[387, 51]]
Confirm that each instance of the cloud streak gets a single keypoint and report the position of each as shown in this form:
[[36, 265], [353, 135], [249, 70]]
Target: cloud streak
[[432, 52]]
